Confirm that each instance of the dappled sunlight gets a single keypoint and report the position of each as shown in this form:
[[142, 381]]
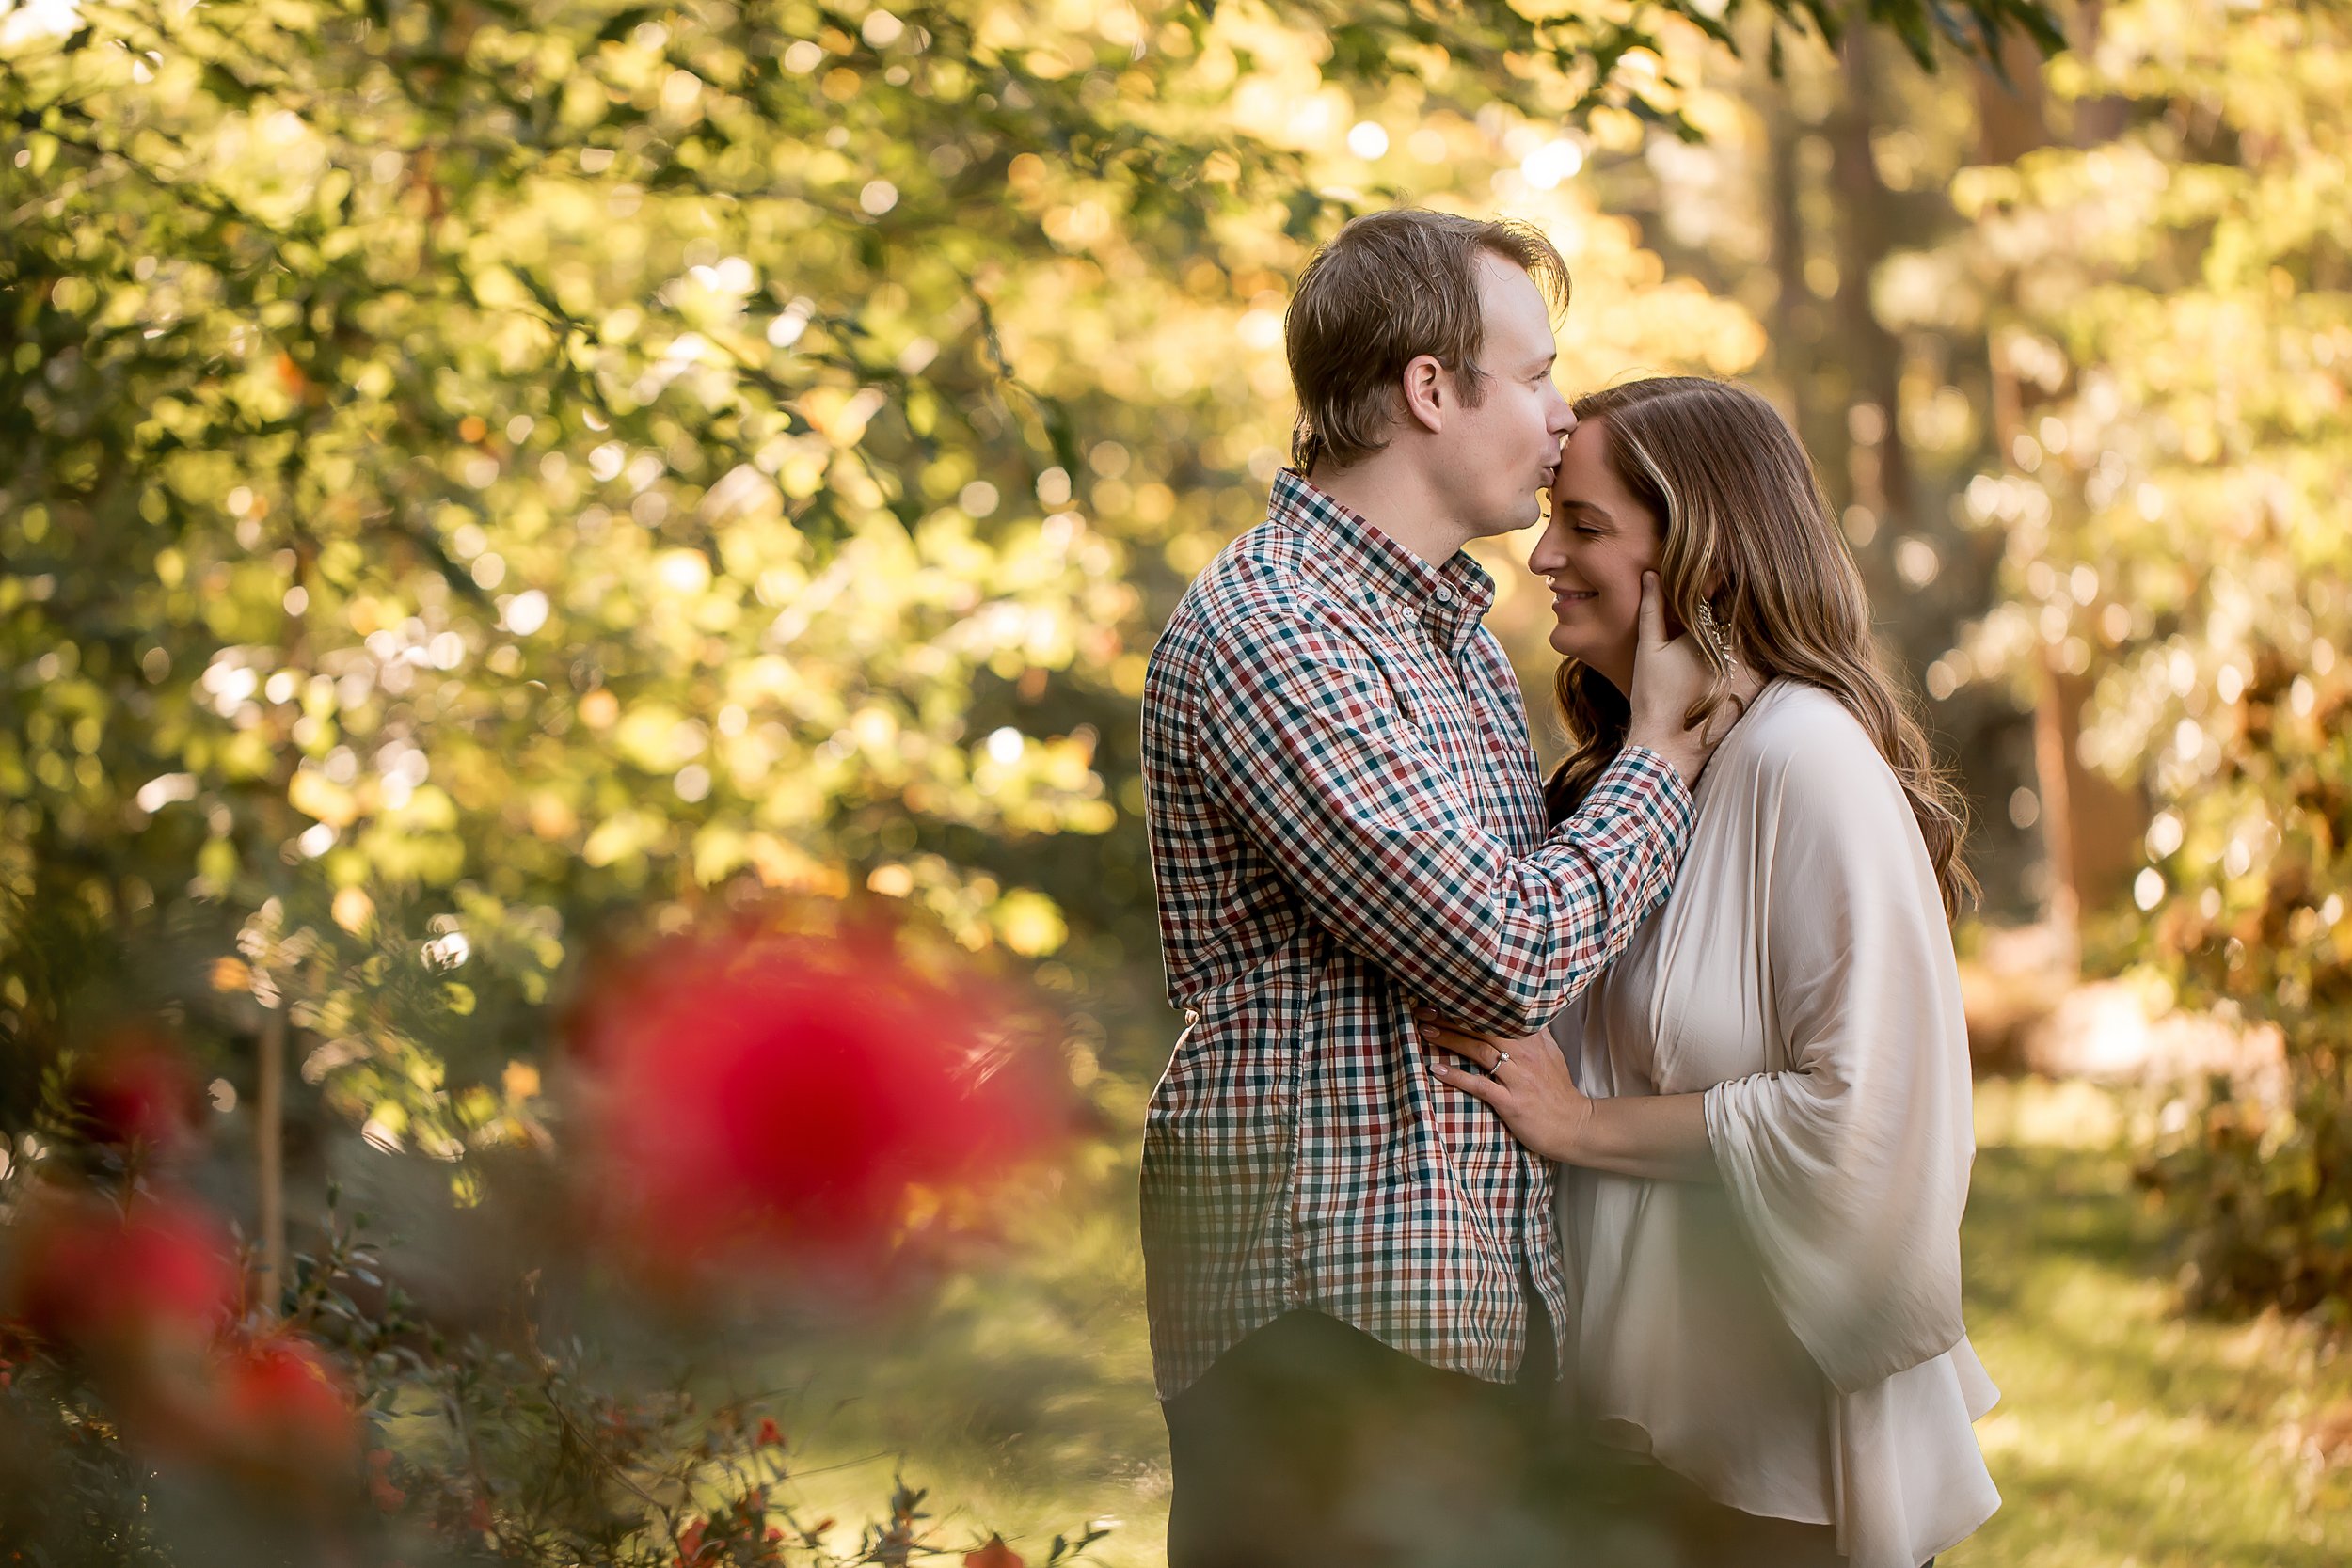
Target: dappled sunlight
[[2127, 1431], [579, 971], [2044, 1114]]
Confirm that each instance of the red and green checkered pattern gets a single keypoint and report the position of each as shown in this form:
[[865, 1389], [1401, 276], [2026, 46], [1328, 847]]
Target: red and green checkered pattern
[[1345, 821]]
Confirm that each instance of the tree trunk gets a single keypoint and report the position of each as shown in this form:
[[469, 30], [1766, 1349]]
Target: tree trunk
[[2096, 119], [1880, 461], [2055, 725], [269, 1140], [1795, 341], [2089, 828], [2011, 119]]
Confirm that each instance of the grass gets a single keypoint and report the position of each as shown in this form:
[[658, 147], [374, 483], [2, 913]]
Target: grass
[[2128, 1436]]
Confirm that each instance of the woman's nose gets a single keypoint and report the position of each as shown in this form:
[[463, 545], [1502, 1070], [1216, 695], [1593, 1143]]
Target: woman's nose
[[1546, 558]]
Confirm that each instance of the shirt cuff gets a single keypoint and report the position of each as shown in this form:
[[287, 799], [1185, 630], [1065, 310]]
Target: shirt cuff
[[1642, 782]]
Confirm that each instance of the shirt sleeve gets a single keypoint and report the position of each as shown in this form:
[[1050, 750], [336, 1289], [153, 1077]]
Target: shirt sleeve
[[1848, 1170], [1302, 741]]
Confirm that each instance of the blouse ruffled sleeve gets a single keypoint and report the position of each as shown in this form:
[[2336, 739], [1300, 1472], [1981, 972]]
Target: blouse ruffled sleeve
[[1848, 1167]]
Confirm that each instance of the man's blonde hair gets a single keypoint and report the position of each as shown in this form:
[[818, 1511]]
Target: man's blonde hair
[[1388, 288]]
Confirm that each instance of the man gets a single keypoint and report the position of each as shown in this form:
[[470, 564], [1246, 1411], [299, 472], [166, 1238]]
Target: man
[[1343, 1255]]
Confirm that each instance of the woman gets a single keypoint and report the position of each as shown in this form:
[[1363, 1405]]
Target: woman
[[1762, 1108]]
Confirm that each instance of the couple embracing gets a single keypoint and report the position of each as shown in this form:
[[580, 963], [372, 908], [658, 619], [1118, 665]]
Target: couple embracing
[[1561, 1171]]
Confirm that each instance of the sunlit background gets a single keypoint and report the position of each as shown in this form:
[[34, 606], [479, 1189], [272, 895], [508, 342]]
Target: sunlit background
[[485, 487]]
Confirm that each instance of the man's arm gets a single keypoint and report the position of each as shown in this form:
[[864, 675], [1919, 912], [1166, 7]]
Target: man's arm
[[1301, 740]]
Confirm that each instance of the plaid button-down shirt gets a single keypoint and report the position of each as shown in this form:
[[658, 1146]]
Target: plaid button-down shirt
[[1345, 819]]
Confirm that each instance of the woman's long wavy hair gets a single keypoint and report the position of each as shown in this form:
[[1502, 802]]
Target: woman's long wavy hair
[[1748, 534]]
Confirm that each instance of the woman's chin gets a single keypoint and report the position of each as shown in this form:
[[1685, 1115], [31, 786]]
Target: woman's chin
[[1599, 652], [1573, 642]]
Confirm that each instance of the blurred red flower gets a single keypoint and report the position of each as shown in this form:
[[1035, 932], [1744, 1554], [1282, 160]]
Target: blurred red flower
[[382, 1489], [283, 1408], [994, 1555], [93, 1278], [795, 1097], [134, 1089]]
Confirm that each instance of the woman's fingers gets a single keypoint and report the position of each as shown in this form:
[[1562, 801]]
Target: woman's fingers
[[1470, 1048], [1469, 1083]]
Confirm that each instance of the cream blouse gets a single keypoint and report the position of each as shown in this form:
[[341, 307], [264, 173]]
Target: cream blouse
[[1790, 1339]]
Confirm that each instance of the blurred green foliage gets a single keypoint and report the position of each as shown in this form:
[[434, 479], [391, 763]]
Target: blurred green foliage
[[467, 471], [2176, 528], [473, 472]]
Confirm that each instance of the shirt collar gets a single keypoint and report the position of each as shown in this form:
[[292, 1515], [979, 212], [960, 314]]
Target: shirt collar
[[1371, 568]]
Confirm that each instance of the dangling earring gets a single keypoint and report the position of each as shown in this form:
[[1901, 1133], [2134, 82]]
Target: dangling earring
[[1711, 629]]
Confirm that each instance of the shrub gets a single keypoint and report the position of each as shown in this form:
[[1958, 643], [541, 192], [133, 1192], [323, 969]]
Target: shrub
[[550, 1373]]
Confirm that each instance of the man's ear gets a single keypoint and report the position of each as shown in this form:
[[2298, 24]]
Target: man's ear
[[1428, 388]]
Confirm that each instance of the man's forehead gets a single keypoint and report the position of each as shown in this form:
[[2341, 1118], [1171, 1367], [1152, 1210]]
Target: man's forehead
[[1512, 305]]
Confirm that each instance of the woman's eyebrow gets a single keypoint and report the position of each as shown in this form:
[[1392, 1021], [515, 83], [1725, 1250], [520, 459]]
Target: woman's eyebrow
[[1587, 509]]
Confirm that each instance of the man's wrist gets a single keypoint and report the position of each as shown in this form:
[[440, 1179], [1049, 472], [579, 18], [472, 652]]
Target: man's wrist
[[1683, 752]]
